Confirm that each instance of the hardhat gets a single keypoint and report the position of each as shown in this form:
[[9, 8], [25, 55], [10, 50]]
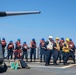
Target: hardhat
[[62, 38], [67, 39], [70, 39], [50, 37], [42, 39], [33, 39], [11, 41], [3, 38], [25, 42], [57, 38], [18, 39]]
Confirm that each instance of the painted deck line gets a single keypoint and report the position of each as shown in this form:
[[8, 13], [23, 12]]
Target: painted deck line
[[59, 67]]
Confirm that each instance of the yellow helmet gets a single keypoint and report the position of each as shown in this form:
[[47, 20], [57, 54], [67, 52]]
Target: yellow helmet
[[67, 39], [57, 38]]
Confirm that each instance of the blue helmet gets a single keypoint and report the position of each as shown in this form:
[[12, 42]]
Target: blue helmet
[[62, 38], [25, 42], [33, 39], [19, 39], [11, 41], [3, 38], [43, 39], [70, 39]]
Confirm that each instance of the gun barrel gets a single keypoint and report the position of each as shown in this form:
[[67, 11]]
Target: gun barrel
[[3, 14]]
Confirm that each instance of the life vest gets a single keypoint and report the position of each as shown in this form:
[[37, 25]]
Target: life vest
[[42, 43], [33, 44], [71, 45], [3, 43], [17, 53], [57, 46], [66, 47], [18, 43], [50, 45], [61, 43], [10, 46], [25, 46]]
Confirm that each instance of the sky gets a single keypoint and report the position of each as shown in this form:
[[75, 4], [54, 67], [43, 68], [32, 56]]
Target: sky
[[57, 18]]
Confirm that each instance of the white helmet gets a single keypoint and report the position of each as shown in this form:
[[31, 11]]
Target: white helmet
[[50, 37]]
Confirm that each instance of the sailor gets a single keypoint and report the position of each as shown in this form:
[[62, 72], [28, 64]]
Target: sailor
[[61, 43], [3, 42], [72, 49], [42, 49], [10, 49], [33, 49], [66, 51], [56, 51], [25, 51], [49, 50]]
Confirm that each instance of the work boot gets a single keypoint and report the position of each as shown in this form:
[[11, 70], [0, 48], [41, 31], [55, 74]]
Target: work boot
[[65, 64], [40, 60], [46, 64], [74, 61], [59, 61], [55, 63], [34, 60], [30, 60], [27, 67], [26, 60]]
